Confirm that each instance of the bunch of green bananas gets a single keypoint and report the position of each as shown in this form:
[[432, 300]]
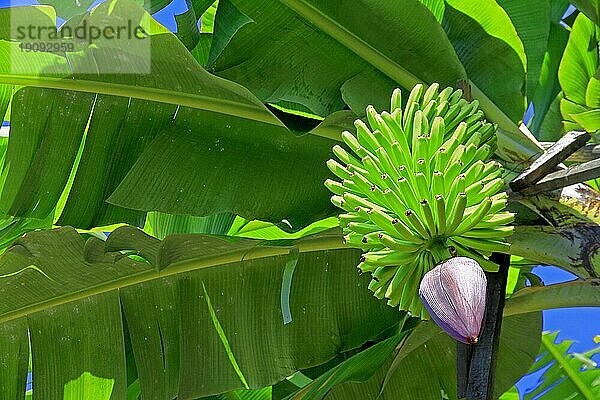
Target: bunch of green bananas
[[419, 187]]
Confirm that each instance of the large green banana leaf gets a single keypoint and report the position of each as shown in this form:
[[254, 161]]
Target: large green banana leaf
[[178, 108], [64, 304], [331, 46], [343, 46], [68, 294], [203, 314]]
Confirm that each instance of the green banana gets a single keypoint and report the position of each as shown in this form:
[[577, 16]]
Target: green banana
[[497, 219], [362, 228], [387, 257], [396, 244], [445, 94], [483, 245], [431, 93], [335, 187], [438, 129], [472, 216], [365, 136], [456, 96], [345, 219], [488, 233], [417, 185], [456, 212], [407, 118], [437, 185], [415, 94], [396, 100], [442, 108], [338, 170], [440, 214], [431, 225], [429, 112], [415, 222]]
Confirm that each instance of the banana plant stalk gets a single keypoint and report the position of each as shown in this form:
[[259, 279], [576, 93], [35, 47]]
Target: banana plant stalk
[[476, 364]]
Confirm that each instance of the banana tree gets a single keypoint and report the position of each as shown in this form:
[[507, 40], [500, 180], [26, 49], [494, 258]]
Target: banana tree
[[225, 273]]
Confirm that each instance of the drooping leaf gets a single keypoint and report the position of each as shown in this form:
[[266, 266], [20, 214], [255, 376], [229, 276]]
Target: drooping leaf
[[121, 127], [172, 334], [341, 46], [209, 172]]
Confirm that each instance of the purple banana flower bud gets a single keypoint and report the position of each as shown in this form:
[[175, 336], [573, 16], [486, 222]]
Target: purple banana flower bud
[[454, 294]]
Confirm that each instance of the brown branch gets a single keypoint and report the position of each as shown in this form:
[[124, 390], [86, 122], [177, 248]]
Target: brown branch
[[550, 159], [570, 176], [589, 152]]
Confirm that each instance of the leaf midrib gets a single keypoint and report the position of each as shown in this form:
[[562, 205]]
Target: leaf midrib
[[213, 104], [305, 246], [348, 39]]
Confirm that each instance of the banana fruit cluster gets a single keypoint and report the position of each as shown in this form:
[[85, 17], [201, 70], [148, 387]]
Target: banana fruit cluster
[[418, 187]]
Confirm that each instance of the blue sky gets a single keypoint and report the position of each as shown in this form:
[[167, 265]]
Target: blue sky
[[579, 324]]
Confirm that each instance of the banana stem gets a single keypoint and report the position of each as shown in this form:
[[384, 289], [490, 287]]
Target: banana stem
[[481, 358]]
